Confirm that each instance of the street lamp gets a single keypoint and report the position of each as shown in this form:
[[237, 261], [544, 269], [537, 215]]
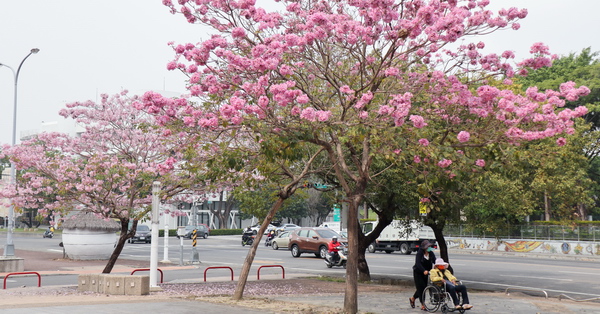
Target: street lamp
[[9, 248]]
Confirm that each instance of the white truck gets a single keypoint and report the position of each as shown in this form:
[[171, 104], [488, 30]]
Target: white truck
[[399, 236]]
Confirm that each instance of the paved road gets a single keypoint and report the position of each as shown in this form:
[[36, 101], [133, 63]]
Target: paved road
[[497, 272], [226, 250]]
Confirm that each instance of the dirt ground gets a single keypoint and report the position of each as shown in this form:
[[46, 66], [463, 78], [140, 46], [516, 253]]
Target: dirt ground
[[256, 294]]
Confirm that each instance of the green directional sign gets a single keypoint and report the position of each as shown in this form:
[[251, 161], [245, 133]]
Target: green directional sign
[[336, 212]]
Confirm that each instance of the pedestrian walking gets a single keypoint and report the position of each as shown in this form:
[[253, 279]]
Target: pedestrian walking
[[424, 261]]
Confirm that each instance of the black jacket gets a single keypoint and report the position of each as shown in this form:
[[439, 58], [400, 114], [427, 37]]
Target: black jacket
[[421, 263]]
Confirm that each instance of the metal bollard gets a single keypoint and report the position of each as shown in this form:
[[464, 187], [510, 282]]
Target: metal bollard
[[181, 251], [166, 245], [195, 258]]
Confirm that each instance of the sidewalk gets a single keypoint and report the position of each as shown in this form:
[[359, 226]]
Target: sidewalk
[[266, 296]]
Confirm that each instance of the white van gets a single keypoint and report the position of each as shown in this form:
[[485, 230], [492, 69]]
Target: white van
[[334, 225]]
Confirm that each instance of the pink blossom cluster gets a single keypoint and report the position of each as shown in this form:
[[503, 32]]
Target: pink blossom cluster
[[425, 24], [306, 66], [444, 163], [104, 168]]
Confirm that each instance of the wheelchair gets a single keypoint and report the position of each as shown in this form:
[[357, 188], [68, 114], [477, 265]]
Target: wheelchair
[[436, 297]]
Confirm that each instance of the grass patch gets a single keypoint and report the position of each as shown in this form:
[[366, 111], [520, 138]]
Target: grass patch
[[331, 279]]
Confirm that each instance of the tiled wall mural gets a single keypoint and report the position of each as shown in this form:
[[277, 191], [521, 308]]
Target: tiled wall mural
[[524, 246]]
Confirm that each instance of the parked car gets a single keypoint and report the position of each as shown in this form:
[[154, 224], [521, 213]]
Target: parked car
[[202, 231], [312, 240], [142, 234], [282, 241], [256, 227], [286, 227], [207, 227]]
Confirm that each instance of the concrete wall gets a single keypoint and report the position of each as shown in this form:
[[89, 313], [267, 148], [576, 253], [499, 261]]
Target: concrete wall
[[88, 245], [11, 264], [114, 284]]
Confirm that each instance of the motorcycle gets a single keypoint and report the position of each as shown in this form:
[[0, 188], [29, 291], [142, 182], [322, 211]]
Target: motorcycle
[[48, 234], [269, 239], [340, 261], [247, 239]]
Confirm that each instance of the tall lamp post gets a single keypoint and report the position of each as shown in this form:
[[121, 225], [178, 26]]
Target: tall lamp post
[[9, 248]]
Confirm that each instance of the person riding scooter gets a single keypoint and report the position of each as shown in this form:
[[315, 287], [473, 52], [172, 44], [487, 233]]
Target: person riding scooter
[[247, 236], [333, 248], [49, 233], [270, 237]]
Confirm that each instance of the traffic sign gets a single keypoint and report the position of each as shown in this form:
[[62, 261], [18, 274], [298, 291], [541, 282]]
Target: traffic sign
[[422, 209], [336, 212]]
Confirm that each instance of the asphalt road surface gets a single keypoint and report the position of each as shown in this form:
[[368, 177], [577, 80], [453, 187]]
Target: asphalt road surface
[[577, 279]]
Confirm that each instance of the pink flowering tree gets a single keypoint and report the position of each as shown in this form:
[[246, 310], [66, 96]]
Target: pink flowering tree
[[107, 169], [361, 79], [238, 158]]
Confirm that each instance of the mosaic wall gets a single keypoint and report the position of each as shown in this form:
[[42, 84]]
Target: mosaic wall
[[524, 246]]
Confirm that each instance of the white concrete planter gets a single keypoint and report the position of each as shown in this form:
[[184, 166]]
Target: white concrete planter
[[83, 244]]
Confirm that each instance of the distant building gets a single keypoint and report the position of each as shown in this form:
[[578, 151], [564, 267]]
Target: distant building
[[64, 126]]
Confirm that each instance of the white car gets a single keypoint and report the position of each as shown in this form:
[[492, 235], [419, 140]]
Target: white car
[[255, 228], [286, 227]]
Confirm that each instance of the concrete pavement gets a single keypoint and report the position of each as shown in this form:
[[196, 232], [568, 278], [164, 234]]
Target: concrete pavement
[[45, 300], [374, 302]]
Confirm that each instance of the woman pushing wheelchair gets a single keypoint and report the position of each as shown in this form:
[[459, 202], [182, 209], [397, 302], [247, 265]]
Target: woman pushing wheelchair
[[440, 275]]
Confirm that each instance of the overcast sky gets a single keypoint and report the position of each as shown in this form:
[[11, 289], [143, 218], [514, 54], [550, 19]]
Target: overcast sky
[[89, 47]]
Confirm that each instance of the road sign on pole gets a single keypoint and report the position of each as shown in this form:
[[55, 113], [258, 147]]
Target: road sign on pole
[[336, 212], [422, 209]]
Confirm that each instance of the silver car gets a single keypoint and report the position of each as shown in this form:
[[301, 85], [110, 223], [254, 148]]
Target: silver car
[[286, 227], [281, 241], [201, 232]]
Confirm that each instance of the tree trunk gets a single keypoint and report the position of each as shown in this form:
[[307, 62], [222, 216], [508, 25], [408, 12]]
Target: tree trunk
[[239, 290], [364, 274], [546, 206], [351, 294], [222, 213], [441, 242], [582, 212], [120, 244]]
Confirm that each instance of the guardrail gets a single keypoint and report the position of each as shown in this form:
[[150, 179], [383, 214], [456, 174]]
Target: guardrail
[[572, 299], [526, 289], [258, 271], [24, 273], [533, 232], [216, 267], [162, 276]]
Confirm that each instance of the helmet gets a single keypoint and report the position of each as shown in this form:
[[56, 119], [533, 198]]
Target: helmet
[[334, 238]]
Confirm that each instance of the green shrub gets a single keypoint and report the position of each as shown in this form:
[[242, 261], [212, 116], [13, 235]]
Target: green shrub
[[215, 232], [172, 232]]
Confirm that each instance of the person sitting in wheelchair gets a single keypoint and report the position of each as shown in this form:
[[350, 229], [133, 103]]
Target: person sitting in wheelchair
[[440, 275]]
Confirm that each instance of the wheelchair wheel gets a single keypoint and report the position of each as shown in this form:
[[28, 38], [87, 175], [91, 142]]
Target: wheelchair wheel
[[433, 297], [448, 306]]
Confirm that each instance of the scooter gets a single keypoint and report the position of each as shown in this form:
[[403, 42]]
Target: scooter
[[247, 239], [341, 260], [269, 239], [48, 234]]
